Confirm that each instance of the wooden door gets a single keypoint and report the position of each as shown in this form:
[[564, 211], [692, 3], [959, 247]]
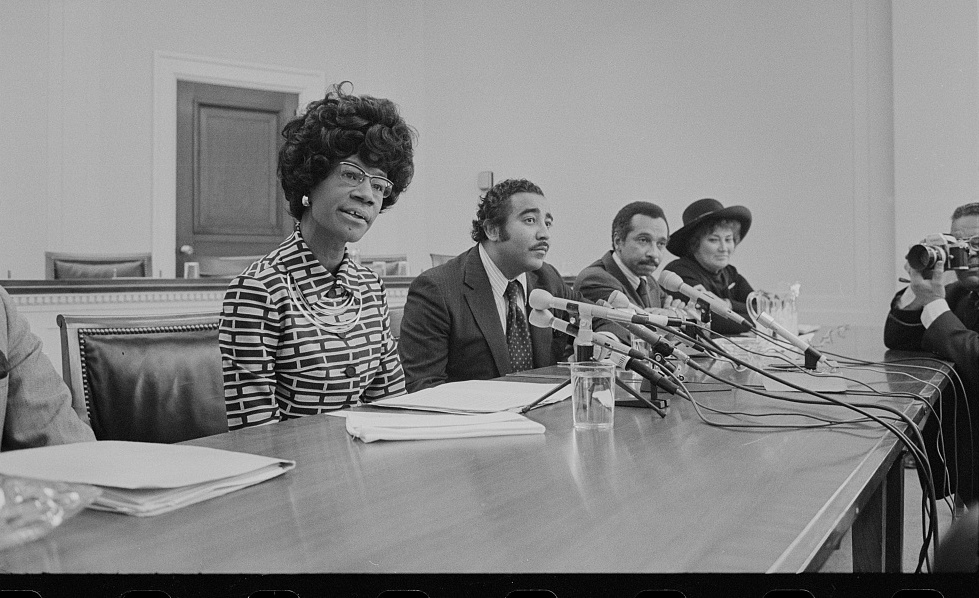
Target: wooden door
[[229, 201]]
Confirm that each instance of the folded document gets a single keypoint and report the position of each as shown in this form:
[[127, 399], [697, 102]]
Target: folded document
[[142, 478], [370, 426]]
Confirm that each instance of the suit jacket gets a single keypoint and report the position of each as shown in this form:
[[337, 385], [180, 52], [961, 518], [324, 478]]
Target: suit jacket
[[35, 404], [451, 330], [954, 336], [599, 279]]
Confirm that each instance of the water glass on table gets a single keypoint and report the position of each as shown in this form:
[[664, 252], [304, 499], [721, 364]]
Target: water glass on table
[[592, 394]]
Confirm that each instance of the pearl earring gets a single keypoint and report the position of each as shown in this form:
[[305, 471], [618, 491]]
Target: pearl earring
[[306, 200]]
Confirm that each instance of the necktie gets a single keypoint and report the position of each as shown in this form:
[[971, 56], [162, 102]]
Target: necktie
[[517, 331], [643, 292]]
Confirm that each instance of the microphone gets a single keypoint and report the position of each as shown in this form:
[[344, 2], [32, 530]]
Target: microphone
[[623, 355], [541, 299], [657, 342], [812, 355], [672, 282], [618, 300], [543, 318], [647, 372]]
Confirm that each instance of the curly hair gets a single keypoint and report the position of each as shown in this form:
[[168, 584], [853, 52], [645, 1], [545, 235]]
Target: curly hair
[[969, 209], [336, 127], [494, 207], [622, 223], [708, 227]]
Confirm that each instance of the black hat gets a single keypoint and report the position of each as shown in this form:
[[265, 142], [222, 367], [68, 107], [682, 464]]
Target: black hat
[[701, 211]]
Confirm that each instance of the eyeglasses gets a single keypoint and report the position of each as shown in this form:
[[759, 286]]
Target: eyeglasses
[[972, 242], [354, 176]]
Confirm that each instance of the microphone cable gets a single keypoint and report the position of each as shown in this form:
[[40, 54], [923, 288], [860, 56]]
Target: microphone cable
[[921, 461]]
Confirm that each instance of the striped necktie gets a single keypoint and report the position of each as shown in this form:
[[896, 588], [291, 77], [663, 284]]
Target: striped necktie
[[643, 292], [517, 331]]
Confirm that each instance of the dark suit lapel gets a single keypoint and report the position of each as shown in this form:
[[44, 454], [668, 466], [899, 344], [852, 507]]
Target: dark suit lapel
[[479, 297], [612, 268], [540, 338]]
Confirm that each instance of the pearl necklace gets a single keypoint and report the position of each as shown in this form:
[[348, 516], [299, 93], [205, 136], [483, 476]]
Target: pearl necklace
[[331, 320]]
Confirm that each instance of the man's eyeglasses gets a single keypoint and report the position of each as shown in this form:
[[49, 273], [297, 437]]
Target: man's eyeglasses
[[972, 242], [354, 175]]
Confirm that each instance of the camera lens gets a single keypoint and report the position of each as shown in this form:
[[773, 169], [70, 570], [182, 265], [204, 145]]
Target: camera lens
[[924, 257]]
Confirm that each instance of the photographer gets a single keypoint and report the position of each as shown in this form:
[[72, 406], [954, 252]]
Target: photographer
[[928, 315]]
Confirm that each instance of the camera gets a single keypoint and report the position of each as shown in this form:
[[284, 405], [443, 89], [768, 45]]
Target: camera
[[955, 254]]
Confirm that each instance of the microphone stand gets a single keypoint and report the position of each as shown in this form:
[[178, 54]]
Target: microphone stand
[[649, 403]]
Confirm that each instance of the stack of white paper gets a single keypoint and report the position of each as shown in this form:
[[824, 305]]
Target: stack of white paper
[[142, 478], [475, 396], [370, 426]]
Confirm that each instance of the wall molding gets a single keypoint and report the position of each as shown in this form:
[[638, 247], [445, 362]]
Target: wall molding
[[116, 298], [170, 67]]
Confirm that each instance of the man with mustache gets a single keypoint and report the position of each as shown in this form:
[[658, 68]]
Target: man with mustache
[[944, 319], [467, 319], [639, 237]]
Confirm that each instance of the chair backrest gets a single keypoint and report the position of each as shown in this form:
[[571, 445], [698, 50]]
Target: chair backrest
[[225, 266], [386, 265], [440, 258], [145, 378], [63, 266]]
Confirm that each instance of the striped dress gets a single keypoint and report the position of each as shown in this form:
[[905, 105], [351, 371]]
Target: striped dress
[[279, 363]]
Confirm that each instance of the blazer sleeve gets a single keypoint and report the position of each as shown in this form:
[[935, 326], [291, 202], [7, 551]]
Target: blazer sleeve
[[425, 335], [248, 336], [903, 329], [948, 337], [36, 401], [594, 284]]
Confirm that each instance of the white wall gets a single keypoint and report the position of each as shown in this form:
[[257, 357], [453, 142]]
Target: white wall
[[936, 116], [801, 111]]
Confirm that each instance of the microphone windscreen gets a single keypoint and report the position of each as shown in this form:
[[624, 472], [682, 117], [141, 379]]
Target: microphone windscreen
[[540, 299], [670, 281], [618, 300], [541, 318]]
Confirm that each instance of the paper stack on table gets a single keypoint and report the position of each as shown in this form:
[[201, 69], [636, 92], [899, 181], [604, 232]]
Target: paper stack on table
[[143, 478], [371, 426], [475, 396]]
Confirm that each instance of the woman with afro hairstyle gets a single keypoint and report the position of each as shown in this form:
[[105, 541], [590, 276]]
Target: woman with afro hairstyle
[[305, 329]]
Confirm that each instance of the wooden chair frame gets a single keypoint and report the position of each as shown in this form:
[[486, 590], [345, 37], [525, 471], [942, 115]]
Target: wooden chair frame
[[72, 347]]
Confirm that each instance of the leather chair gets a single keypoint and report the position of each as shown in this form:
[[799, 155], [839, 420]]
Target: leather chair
[[145, 378], [225, 266], [66, 266], [440, 258], [386, 265]]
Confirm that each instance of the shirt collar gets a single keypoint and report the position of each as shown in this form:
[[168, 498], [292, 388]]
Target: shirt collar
[[497, 280], [313, 280], [629, 274]]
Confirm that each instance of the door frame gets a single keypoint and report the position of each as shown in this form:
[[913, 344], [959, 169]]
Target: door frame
[[168, 68]]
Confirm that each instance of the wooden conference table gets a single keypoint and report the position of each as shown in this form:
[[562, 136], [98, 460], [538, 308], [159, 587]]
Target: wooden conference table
[[652, 495]]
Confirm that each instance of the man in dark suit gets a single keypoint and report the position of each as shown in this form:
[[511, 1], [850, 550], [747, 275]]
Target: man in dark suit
[[639, 237], [944, 319], [467, 319]]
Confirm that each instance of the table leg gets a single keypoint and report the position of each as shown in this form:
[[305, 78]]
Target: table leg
[[878, 531]]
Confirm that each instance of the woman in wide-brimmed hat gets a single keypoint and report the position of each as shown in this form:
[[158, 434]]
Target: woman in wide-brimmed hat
[[705, 245]]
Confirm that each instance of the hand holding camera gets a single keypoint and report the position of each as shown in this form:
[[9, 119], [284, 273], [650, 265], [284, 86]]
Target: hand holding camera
[[926, 263]]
